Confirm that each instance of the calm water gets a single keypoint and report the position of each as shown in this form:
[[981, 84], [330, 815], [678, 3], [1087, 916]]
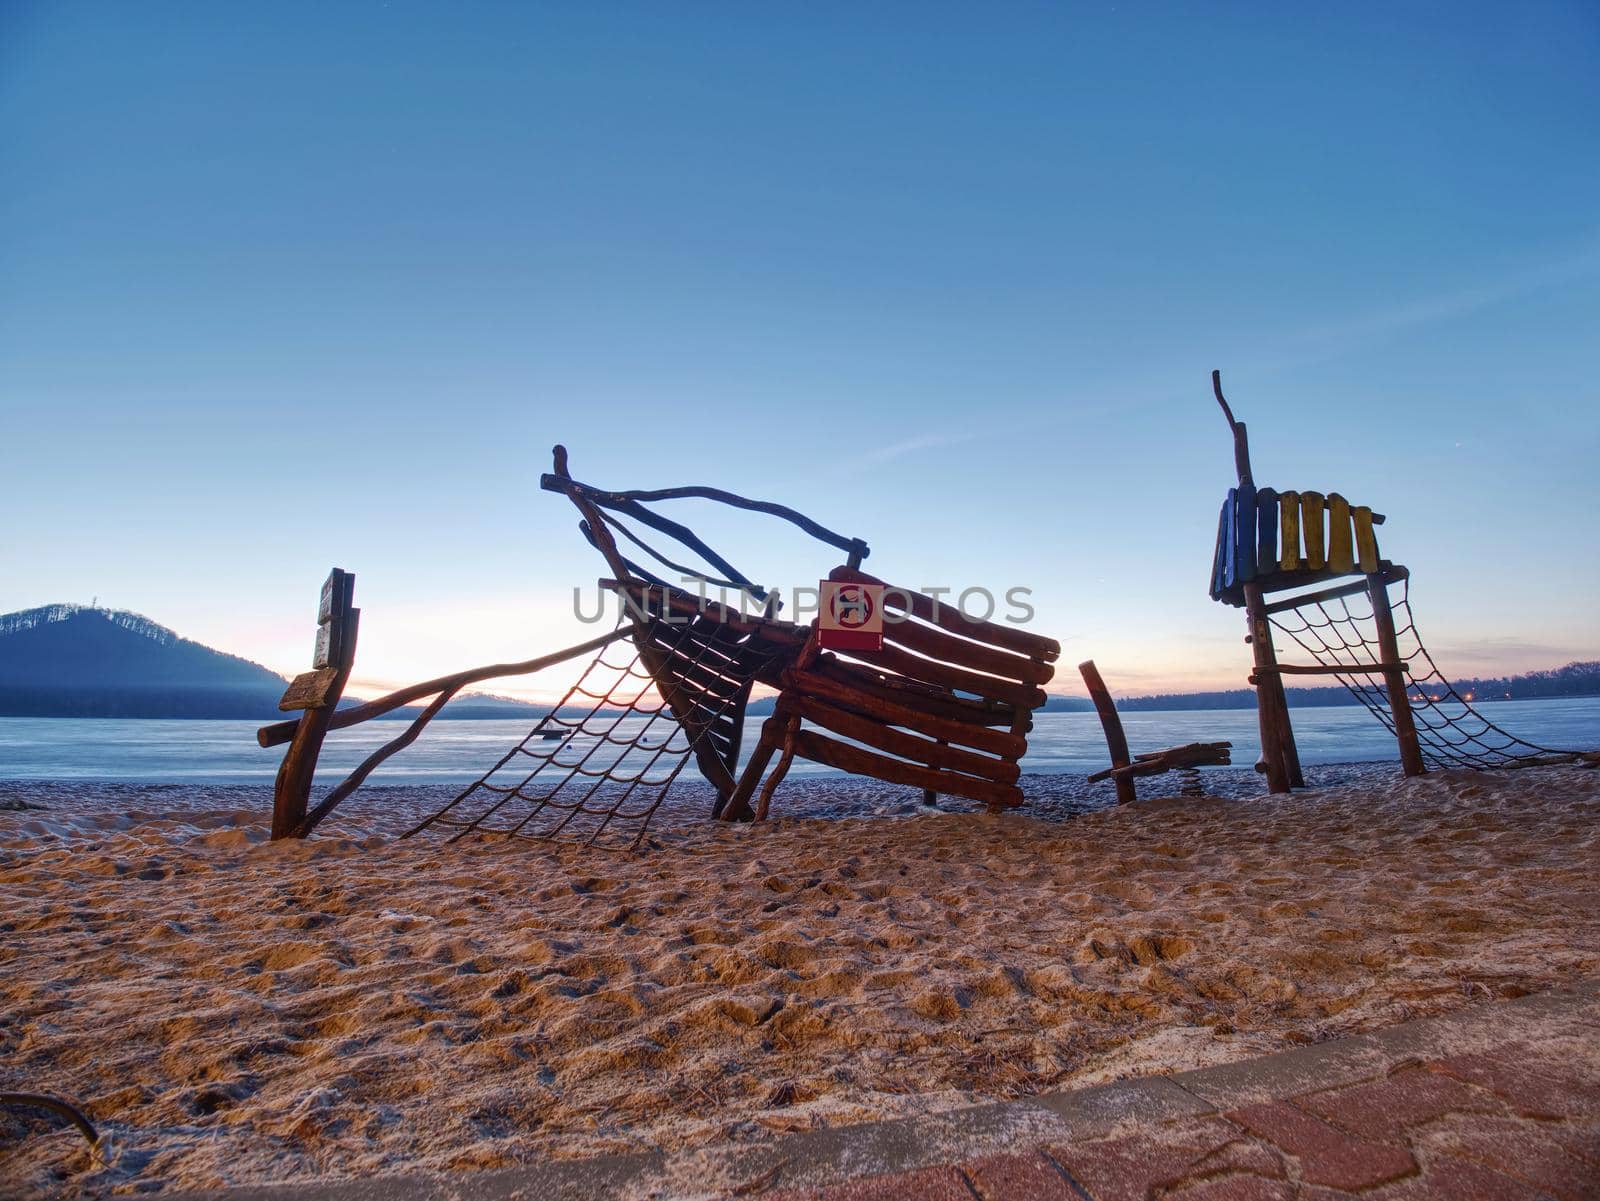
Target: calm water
[[225, 752]]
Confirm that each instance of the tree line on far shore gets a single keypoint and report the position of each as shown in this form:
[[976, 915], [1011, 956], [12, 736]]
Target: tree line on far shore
[[1575, 679]]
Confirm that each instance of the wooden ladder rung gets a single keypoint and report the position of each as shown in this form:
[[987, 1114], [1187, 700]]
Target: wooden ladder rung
[[1334, 669]]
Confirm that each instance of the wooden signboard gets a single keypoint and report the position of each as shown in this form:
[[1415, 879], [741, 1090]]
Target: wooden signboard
[[333, 620]]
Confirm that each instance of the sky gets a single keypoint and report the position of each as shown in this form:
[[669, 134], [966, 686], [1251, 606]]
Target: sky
[[292, 286]]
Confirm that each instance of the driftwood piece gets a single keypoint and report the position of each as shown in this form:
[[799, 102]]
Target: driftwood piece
[[1154, 763], [564, 483]]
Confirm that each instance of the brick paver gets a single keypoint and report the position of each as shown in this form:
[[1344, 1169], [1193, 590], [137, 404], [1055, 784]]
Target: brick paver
[[1505, 1122], [1387, 1109], [1326, 1155], [1034, 1175], [931, 1184], [1133, 1167]]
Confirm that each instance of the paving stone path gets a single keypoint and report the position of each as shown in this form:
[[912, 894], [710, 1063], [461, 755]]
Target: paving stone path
[[1498, 1102]]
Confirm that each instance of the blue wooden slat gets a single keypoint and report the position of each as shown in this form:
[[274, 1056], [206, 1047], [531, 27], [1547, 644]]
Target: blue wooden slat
[[1266, 530], [1244, 532], [1230, 541], [1219, 560]]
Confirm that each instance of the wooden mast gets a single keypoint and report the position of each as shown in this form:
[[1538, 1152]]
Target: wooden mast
[[1272, 704]]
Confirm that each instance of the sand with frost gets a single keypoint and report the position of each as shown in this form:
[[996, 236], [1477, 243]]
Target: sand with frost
[[235, 1011]]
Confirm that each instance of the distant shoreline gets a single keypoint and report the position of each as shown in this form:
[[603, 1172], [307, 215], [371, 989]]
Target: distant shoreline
[[1318, 698]]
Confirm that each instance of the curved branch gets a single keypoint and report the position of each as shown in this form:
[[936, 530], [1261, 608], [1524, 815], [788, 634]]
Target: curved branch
[[1241, 439], [622, 501], [1216, 389], [55, 1105], [358, 777], [281, 732]]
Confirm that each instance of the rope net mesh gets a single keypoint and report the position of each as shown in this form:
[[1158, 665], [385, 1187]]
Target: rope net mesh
[[1450, 732], [595, 769]]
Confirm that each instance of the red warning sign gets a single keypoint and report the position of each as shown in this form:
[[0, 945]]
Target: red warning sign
[[851, 618]]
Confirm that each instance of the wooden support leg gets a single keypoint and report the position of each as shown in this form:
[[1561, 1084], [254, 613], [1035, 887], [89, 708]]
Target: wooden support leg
[[1111, 722], [737, 807], [1405, 726], [764, 802], [1272, 705]]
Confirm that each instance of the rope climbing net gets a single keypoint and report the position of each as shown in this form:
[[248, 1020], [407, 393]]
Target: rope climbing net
[[1450, 732], [595, 770]]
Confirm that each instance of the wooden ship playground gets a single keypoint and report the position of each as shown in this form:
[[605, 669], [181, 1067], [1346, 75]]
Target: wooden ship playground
[[941, 703]]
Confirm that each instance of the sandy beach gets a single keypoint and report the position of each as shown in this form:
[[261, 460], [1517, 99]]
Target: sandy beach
[[236, 1011]]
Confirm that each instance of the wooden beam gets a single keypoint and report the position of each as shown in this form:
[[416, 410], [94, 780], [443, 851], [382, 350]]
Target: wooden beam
[[847, 695], [896, 742], [853, 759]]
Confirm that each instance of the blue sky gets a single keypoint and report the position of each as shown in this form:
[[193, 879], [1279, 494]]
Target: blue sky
[[288, 286]]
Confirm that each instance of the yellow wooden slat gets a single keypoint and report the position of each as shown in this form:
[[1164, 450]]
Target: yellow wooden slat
[[1341, 553], [1311, 526], [1289, 530], [1366, 539]]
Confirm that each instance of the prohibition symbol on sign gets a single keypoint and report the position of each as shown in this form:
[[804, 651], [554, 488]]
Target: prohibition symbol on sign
[[851, 618]]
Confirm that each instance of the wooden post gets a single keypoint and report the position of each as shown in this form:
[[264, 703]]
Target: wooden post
[[1405, 726], [1111, 721], [1272, 703], [317, 692]]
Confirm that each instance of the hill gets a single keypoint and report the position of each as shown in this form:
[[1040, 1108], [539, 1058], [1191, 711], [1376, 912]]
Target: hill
[[77, 661], [81, 661]]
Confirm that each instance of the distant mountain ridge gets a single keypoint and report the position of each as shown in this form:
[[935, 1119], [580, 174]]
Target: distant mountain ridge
[[84, 661]]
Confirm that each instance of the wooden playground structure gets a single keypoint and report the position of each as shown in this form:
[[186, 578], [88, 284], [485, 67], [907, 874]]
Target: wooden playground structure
[[1296, 562], [944, 704], [1270, 542]]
